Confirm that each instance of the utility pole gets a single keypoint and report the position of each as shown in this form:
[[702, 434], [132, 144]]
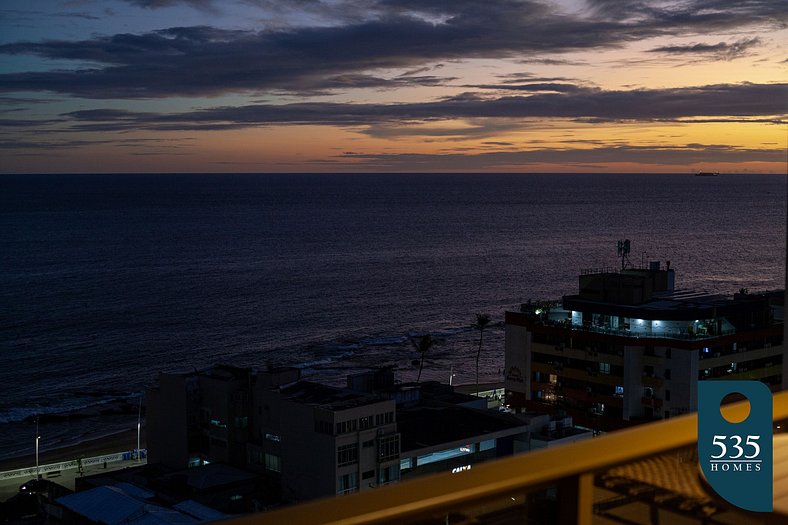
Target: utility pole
[[38, 437], [139, 420]]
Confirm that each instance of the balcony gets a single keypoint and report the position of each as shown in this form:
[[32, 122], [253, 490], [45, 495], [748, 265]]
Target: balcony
[[647, 474]]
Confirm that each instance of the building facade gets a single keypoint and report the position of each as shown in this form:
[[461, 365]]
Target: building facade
[[321, 441], [630, 347]]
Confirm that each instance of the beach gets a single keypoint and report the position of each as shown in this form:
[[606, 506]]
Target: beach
[[118, 442]]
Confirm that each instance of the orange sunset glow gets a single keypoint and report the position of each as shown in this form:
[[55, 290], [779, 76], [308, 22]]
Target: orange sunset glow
[[344, 86]]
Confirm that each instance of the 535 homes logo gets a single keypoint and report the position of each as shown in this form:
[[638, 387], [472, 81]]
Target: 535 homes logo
[[736, 456]]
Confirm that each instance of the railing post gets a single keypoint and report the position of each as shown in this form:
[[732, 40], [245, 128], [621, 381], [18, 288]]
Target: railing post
[[577, 499]]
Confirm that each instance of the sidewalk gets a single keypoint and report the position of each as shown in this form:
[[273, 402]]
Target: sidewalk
[[67, 477], [124, 441]]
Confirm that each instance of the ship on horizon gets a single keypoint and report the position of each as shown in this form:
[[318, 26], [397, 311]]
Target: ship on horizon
[[707, 173]]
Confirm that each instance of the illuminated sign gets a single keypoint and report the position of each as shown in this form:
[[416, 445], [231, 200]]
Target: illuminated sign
[[457, 470]]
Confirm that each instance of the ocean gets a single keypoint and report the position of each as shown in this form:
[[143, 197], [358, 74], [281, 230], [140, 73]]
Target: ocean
[[107, 280]]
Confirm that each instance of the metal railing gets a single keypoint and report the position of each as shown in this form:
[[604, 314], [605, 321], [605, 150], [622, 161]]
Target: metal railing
[[451, 498]]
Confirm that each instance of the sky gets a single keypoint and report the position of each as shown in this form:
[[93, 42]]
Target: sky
[[116, 86]]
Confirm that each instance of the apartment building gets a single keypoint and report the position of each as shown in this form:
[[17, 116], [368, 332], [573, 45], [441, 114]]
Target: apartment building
[[631, 347]]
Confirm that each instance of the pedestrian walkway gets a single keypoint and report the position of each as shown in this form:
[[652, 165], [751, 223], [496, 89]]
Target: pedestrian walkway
[[66, 472]]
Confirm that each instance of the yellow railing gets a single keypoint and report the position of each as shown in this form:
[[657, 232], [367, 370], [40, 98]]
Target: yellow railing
[[570, 469]]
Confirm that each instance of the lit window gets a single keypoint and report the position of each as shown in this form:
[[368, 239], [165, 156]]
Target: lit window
[[273, 462], [388, 474]]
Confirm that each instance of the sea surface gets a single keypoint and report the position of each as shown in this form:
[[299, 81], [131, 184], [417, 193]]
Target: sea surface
[[107, 280]]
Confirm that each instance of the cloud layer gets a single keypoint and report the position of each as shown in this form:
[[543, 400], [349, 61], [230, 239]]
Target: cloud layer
[[200, 61], [723, 101]]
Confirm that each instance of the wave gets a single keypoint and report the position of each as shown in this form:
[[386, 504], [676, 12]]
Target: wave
[[14, 414], [392, 340]]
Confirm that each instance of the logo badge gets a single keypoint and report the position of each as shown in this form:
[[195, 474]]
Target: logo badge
[[736, 458]]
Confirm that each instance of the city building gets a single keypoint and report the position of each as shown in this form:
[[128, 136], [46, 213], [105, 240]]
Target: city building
[[631, 347], [444, 430], [198, 416], [322, 441], [306, 440]]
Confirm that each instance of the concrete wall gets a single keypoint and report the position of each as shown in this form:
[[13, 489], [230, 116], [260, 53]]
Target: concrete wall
[[633, 382], [167, 422], [517, 360]]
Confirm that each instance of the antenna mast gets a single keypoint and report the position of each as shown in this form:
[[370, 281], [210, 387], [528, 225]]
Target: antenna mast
[[623, 252]]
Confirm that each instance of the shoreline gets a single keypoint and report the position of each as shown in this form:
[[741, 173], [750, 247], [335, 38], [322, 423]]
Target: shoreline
[[122, 441]]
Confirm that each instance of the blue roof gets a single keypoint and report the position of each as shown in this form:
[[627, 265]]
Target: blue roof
[[111, 505]]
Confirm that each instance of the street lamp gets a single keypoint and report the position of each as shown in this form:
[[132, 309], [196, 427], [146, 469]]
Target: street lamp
[[38, 438], [139, 420]]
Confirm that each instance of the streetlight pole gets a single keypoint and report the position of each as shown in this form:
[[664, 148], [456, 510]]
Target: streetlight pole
[[139, 419], [38, 437]]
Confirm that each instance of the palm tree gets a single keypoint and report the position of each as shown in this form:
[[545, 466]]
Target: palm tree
[[482, 320], [422, 346]]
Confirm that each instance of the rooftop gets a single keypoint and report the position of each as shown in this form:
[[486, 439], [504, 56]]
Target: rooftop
[[423, 427], [333, 398], [115, 505], [630, 476]]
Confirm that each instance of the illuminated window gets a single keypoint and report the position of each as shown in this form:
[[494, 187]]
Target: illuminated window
[[273, 462], [488, 444], [388, 474], [604, 368]]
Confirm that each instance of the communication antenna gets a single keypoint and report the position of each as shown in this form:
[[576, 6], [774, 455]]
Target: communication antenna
[[623, 252]]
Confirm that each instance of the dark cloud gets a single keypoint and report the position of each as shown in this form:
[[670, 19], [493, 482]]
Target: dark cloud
[[723, 101], [534, 87], [205, 5], [199, 61], [566, 158], [721, 50]]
